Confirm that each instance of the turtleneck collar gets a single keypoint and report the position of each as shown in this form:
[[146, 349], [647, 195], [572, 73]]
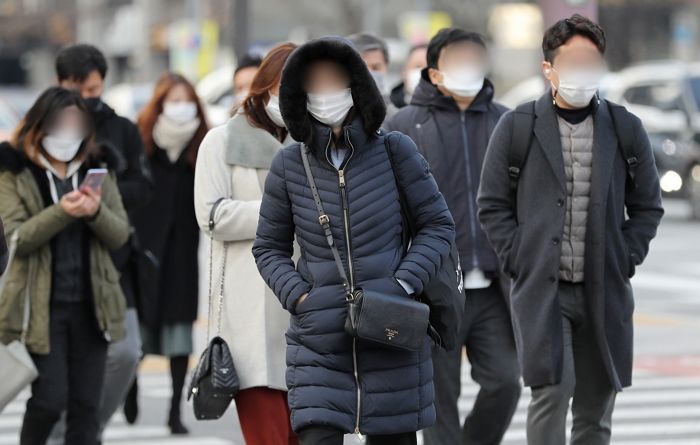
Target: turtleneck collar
[[577, 115]]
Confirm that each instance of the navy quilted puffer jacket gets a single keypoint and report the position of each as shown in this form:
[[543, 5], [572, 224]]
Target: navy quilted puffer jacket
[[333, 380]]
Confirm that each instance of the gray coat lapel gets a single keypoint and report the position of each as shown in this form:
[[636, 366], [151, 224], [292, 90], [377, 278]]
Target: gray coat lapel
[[547, 133], [250, 146]]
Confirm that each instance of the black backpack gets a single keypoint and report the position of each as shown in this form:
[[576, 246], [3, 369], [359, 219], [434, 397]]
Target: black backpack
[[523, 126], [444, 293]]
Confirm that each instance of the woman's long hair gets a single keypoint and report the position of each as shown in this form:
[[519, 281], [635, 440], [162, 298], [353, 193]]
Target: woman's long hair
[[267, 77], [150, 113], [41, 117]]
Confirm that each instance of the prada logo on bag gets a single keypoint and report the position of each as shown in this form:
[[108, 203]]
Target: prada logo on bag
[[391, 333]]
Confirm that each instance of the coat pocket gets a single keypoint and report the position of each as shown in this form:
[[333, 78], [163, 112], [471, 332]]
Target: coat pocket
[[625, 258], [111, 304], [629, 267], [307, 304], [511, 262]]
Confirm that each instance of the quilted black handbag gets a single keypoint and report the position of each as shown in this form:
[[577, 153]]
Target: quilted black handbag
[[214, 381]]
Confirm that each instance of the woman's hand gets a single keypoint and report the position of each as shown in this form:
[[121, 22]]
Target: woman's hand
[[72, 203], [92, 202], [84, 203]]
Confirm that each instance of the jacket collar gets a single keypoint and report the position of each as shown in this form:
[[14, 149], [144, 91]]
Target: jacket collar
[[353, 133], [398, 95], [249, 146], [428, 95]]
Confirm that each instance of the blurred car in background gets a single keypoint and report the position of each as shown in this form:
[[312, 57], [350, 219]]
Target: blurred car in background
[[666, 97]]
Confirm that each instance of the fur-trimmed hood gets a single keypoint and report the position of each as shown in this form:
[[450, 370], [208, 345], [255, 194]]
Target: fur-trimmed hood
[[368, 102], [106, 156]]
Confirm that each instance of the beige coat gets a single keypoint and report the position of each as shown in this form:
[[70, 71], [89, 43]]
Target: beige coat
[[232, 163]]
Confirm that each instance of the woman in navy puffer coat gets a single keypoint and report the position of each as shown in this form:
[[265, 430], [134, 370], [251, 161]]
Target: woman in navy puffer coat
[[338, 384]]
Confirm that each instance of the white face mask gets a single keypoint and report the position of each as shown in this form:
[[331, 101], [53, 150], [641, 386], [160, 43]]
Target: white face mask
[[330, 108], [463, 81], [412, 80], [180, 112], [272, 108], [577, 88], [62, 145], [379, 79]]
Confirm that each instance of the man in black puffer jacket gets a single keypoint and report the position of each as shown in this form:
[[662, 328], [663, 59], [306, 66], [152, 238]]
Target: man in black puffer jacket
[[338, 384], [451, 117]]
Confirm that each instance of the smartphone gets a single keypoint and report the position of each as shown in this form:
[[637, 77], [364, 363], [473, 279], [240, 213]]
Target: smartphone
[[94, 178]]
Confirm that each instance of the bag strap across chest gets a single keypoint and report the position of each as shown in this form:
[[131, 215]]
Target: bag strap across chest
[[324, 220]]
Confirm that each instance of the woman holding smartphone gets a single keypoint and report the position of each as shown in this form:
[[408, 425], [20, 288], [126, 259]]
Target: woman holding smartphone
[[233, 163], [62, 235], [172, 126]]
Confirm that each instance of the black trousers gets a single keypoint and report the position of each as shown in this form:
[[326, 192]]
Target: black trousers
[[70, 378], [487, 334], [322, 435]]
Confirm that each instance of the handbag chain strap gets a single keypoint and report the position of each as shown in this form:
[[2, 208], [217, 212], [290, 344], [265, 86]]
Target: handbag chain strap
[[325, 222], [27, 308], [220, 297]]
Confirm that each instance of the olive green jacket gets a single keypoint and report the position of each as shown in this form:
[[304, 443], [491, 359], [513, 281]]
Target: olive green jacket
[[22, 210]]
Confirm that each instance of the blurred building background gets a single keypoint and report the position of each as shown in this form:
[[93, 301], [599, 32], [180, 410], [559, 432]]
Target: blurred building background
[[144, 37]]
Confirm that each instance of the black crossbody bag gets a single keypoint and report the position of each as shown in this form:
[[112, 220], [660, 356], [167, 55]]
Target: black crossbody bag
[[397, 321]]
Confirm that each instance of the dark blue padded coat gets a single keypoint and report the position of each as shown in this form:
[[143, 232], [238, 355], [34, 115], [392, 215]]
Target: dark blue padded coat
[[393, 390]]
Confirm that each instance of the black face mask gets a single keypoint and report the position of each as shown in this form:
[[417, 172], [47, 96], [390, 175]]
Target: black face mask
[[94, 104]]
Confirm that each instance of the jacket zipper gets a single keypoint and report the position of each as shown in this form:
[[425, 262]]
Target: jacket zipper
[[346, 224], [470, 182]]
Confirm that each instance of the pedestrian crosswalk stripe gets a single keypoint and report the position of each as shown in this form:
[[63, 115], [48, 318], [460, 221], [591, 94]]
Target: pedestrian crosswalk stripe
[[180, 441], [635, 431], [657, 410], [635, 413]]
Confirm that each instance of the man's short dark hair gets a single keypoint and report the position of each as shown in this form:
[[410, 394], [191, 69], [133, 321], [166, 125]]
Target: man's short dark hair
[[365, 41], [448, 36], [576, 25], [248, 61], [78, 61]]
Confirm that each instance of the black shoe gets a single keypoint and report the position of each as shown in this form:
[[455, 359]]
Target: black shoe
[[176, 426], [131, 404]]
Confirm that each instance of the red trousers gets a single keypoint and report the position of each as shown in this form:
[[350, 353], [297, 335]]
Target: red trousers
[[264, 417]]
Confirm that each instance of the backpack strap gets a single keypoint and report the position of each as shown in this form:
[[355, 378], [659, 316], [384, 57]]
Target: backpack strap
[[409, 229], [626, 139], [523, 125]]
